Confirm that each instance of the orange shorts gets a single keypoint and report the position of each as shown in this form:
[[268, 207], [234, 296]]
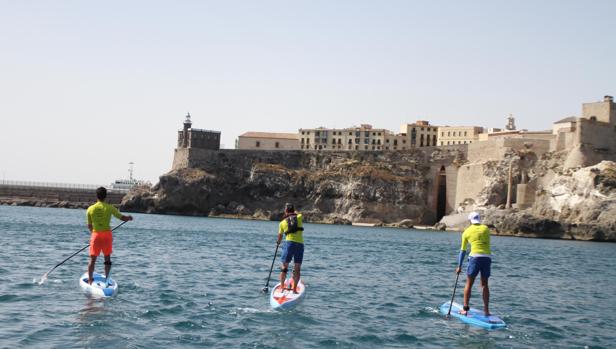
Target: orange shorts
[[101, 241]]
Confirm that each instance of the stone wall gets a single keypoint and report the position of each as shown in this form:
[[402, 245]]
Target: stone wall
[[10, 193], [497, 148]]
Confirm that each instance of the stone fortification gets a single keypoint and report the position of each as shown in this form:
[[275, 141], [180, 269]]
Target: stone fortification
[[389, 187]]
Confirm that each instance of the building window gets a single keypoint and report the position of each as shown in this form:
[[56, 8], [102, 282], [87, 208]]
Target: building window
[[464, 133], [302, 132], [277, 145], [395, 142], [366, 133], [357, 147], [365, 147], [442, 134], [258, 144], [302, 141], [350, 133], [448, 134], [356, 140], [350, 142], [434, 140], [357, 133]]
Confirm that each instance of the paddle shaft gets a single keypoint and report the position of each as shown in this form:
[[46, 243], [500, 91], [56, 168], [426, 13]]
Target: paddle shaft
[[76, 253], [272, 267], [454, 294]]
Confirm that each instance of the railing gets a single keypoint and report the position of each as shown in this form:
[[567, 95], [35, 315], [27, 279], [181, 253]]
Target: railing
[[72, 186]]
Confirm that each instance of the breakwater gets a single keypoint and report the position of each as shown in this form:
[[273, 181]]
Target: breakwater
[[53, 194]]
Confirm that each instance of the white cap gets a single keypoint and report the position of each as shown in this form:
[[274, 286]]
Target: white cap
[[474, 218]]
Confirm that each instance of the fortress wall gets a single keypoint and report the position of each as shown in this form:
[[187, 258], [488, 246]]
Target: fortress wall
[[564, 140], [594, 142], [493, 149], [539, 146], [600, 135], [471, 181], [496, 149]]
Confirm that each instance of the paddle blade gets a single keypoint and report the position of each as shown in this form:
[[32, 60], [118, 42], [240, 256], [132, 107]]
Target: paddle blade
[[265, 289], [43, 279]]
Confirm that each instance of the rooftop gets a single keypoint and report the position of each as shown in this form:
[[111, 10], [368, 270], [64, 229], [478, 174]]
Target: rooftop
[[271, 135]]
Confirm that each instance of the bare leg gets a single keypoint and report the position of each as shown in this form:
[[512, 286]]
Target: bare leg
[[297, 270], [486, 295], [283, 274], [107, 265], [470, 280], [91, 269]]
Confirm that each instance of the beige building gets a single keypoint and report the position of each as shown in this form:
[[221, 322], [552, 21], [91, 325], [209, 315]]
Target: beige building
[[450, 135], [268, 141], [364, 137], [420, 134]]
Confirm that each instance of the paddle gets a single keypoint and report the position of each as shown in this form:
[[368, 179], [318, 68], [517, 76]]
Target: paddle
[[454, 294], [71, 256], [266, 288]]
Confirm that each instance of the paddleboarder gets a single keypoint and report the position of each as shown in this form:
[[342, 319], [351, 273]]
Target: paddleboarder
[[99, 218], [293, 247], [479, 261]]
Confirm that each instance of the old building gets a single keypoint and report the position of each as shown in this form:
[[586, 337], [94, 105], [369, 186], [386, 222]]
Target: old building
[[420, 134], [364, 137], [450, 135], [190, 137], [268, 141]]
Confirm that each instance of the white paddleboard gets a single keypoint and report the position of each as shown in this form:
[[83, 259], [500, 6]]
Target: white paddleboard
[[284, 298], [474, 317], [100, 288]]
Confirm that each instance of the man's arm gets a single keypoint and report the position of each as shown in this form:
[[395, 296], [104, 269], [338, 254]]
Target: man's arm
[[89, 219], [461, 254]]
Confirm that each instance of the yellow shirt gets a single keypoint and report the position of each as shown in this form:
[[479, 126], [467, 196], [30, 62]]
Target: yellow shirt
[[478, 235], [298, 236], [99, 215]]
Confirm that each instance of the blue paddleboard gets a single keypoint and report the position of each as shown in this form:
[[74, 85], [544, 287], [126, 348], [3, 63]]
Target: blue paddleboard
[[474, 317]]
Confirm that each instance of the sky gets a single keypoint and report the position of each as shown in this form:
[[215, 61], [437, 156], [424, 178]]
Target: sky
[[87, 87]]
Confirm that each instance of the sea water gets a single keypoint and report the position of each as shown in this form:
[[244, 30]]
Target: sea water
[[196, 282]]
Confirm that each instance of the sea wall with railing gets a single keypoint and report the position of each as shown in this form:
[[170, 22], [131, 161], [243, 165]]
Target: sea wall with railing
[[48, 194]]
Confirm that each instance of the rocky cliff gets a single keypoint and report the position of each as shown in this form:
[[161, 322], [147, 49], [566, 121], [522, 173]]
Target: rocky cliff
[[575, 203], [328, 187]]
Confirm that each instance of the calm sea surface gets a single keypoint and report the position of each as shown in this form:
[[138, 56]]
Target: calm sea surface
[[195, 282]]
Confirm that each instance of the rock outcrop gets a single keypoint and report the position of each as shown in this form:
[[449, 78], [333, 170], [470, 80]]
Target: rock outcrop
[[328, 187], [577, 204]]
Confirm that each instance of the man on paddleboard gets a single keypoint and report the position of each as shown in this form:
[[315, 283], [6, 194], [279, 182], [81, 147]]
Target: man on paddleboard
[[479, 260], [293, 247], [99, 218]]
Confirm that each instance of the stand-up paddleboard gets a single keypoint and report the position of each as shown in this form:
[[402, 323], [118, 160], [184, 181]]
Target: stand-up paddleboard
[[474, 317], [284, 298], [100, 288]]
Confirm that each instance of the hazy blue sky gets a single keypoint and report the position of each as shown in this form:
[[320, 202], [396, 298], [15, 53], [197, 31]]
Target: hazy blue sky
[[86, 87]]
